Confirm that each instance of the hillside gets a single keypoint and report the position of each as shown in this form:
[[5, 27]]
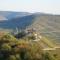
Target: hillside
[[37, 38], [12, 48], [47, 25]]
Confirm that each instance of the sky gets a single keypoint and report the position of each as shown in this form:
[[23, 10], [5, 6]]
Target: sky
[[46, 6]]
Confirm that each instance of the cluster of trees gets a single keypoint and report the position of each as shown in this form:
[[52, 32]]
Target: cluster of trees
[[13, 49]]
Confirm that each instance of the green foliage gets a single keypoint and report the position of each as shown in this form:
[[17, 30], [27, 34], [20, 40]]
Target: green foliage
[[13, 49], [6, 47], [12, 57]]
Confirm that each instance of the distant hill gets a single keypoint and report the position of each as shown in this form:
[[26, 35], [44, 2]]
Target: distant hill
[[20, 22], [9, 14], [46, 24]]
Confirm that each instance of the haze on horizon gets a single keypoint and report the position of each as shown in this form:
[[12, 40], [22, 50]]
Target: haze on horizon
[[46, 6]]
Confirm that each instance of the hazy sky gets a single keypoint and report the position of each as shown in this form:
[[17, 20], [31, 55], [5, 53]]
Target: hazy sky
[[47, 6]]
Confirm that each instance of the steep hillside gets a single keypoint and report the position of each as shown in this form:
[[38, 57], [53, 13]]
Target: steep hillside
[[48, 25]]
